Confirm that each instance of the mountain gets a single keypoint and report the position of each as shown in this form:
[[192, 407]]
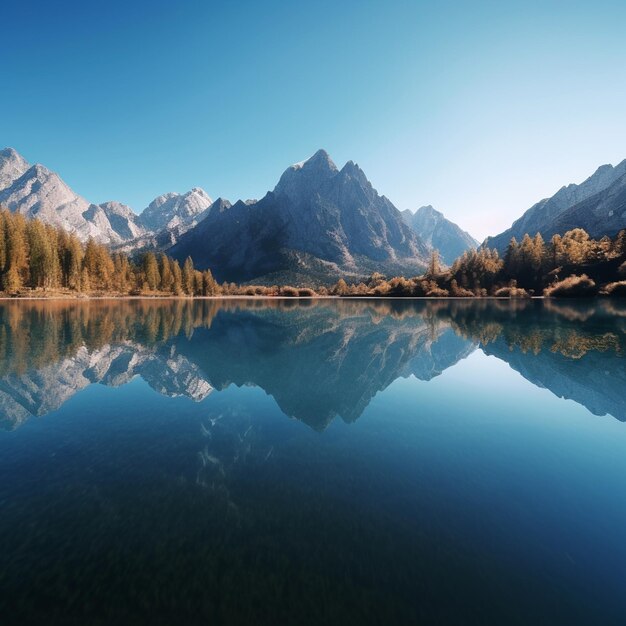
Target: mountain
[[35, 191], [318, 222], [12, 166], [602, 214], [40, 193], [440, 233], [544, 217], [116, 221], [175, 211]]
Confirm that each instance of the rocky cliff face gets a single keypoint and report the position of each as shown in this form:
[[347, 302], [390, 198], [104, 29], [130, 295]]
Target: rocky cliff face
[[36, 192], [317, 216], [175, 211], [42, 194], [604, 213], [440, 233], [12, 166], [543, 217], [115, 221]]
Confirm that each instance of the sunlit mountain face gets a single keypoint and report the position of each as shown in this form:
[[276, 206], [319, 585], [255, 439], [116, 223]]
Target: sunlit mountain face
[[323, 461]]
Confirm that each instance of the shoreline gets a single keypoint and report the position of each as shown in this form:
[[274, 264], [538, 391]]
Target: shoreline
[[70, 298]]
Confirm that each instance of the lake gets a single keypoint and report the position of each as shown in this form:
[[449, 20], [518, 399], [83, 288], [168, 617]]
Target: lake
[[312, 462]]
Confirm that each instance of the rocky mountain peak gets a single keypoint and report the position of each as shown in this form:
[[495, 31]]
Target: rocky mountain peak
[[439, 233], [428, 209], [175, 210], [301, 179], [353, 171], [12, 166], [220, 205]]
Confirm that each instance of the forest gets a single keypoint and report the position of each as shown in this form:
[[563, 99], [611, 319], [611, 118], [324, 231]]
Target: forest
[[43, 260], [571, 265]]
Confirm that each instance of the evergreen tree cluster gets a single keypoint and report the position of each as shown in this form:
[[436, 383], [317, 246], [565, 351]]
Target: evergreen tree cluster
[[38, 256], [572, 264]]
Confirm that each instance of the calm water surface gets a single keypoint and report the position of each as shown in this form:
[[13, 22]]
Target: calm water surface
[[259, 462]]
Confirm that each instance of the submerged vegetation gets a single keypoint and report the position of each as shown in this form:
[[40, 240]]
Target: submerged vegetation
[[43, 260]]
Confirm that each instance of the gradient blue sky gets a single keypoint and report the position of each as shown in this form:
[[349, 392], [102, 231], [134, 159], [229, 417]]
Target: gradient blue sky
[[479, 108]]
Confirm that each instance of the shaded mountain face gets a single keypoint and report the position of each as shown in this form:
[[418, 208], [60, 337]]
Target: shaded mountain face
[[568, 208], [318, 220], [602, 214], [440, 233]]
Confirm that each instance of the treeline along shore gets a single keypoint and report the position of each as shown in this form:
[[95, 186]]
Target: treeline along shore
[[39, 260]]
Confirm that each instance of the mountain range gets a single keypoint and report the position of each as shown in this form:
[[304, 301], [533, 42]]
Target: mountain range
[[36, 192], [318, 220], [318, 223], [440, 233], [598, 205], [347, 358], [318, 362]]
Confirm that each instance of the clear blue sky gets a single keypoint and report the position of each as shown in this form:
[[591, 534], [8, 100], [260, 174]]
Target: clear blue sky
[[479, 108]]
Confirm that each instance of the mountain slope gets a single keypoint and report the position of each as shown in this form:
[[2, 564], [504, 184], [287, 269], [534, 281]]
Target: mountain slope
[[539, 217], [12, 166], [175, 211], [440, 233], [36, 192], [116, 221], [602, 214], [42, 194], [318, 219]]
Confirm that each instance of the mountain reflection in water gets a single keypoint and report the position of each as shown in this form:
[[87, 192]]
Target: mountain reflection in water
[[317, 359], [210, 477]]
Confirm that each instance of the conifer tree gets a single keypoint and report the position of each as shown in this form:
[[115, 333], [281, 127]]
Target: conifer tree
[[17, 254], [434, 265], [188, 276], [177, 286], [210, 287], [151, 271], [167, 278]]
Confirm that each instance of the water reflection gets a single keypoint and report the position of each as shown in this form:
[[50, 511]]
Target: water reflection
[[318, 360], [464, 499]]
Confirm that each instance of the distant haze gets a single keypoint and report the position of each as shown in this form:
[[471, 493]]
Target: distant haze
[[479, 109]]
